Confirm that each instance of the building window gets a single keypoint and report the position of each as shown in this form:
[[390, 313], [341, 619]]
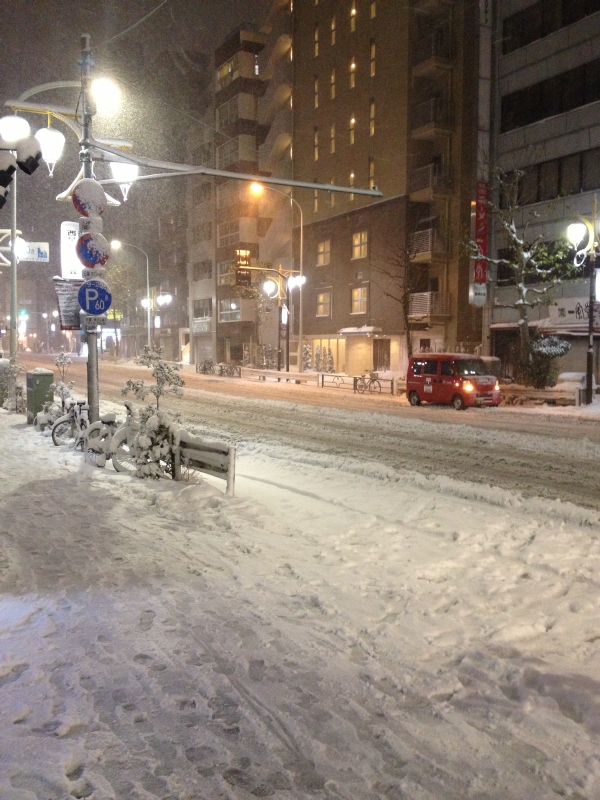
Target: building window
[[229, 309], [203, 308], [202, 232], [229, 232], [316, 40], [333, 29], [227, 114], [351, 183], [323, 253], [360, 244], [371, 117], [352, 73], [316, 144], [332, 195], [359, 300], [353, 16], [228, 153], [373, 9], [315, 200], [352, 128], [225, 273], [228, 72], [371, 172], [332, 139], [202, 270], [324, 304], [316, 89], [372, 57], [332, 84]]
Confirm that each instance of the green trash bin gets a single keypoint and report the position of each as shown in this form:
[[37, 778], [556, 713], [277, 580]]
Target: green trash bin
[[38, 391]]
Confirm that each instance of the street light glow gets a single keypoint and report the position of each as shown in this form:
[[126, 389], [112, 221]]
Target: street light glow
[[107, 96], [576, 232], [14, 128], [52, 142]]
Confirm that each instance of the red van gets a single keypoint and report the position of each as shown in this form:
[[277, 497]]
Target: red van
[[456, 379]]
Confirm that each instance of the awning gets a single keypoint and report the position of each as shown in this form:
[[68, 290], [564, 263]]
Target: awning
[[365, 330]]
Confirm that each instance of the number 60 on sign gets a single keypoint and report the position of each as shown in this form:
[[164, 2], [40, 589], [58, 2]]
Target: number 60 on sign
[[94, 297]]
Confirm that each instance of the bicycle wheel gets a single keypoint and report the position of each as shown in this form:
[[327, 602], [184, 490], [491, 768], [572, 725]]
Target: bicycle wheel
[[63, 431], [374, 386], [122, 455], [361, 385], [94, 446]]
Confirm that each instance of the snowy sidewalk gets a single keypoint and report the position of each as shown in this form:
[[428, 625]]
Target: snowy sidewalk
[[336, 630]]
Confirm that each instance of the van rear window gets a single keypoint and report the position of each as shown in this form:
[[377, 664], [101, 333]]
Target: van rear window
[[471, 366]]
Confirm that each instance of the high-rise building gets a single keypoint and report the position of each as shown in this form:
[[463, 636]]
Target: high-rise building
[[385, 94]]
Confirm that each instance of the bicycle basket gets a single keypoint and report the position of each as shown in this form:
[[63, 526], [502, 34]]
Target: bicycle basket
[[373, 375]]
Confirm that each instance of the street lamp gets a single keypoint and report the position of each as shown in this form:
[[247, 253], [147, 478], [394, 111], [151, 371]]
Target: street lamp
[[576, 233], [116, 245], [257, 189]]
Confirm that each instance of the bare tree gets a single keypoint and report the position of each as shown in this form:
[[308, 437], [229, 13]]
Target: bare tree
[[530, 264]]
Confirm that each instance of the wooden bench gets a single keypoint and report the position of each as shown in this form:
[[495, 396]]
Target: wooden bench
[[279, 375], [204, 455]]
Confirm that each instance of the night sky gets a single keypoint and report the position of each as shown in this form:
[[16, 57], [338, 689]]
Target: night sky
[[164, 68]]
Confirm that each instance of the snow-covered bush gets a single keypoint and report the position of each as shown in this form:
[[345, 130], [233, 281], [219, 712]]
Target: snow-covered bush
[[318, 364], [330, 366], [540, 371], [307, 360], [11, 388], [153, 444]]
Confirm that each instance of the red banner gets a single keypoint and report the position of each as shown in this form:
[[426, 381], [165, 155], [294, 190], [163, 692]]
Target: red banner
[[481, 230]]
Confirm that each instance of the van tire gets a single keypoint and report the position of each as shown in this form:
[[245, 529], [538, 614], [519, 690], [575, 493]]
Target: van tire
[[458, 403], [414, 399]]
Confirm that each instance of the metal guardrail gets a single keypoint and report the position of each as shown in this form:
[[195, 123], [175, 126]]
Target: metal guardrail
[[437, 45], [427, 304], [433, 111], [427, 241], [432, 176]]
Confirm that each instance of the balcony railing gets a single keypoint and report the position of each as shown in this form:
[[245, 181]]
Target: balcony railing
[[433, 112], [433, 176], [436, 46], [428, 304], [427, 241]]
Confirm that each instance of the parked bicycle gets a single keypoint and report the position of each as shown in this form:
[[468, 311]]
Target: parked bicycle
[[72, 425], [369, 383], [206, 367], [109, 439]]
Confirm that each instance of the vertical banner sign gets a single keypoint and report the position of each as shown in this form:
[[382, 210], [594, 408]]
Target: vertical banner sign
[[481, 231], [70, 265]]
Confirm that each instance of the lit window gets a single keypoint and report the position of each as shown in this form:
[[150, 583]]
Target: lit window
[[352, 129], [351, 182], [373, 9], [359, 300], [332, 84], [373, 51], [316, 144], [316, 40], [229, 309], [353, 16], [315, 200], [360, 244], [324, 304], [352, 71], [316, 92], [371, 172], [333, 29], [332, 195], [372, 117], [332, 139], [323, 253]]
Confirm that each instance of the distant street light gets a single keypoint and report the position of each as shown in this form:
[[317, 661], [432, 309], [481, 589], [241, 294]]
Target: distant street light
[[116, 245], [257, 189]]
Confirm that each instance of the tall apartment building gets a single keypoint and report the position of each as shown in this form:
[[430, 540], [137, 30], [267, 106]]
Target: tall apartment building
[[385, 94], [547, 114]]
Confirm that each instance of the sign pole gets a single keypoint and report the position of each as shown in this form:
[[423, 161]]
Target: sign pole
[[85, 158]]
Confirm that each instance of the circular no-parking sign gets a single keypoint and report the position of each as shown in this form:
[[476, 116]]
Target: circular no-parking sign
[[95, 297]]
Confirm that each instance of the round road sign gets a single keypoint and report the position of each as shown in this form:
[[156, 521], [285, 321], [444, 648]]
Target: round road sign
[[95, 297]]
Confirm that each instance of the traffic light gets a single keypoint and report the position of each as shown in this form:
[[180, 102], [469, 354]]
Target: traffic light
[[25, 154]]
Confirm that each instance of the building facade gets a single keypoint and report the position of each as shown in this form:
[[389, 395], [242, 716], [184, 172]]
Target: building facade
[[546, 114]]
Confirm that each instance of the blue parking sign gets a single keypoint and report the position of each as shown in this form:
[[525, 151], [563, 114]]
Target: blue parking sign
[[95, 297]]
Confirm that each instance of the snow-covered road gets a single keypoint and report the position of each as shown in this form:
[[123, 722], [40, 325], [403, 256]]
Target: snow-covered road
[[342, 628]]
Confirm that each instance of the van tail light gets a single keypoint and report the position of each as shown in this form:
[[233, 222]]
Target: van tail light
[[468, 386], [496, 387]]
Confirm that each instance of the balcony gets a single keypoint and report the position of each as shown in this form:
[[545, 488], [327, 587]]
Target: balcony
[[429, 183], [426, 245], [429, 306], [433, 53], [431, 7], [433, 118]]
